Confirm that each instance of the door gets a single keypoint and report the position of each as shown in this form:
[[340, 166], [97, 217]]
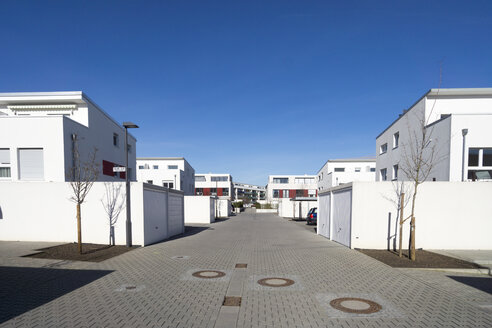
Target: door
[[342, 216]]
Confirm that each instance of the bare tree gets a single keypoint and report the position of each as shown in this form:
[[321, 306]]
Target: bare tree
[[82, 176], [113, 202], [400, 202]]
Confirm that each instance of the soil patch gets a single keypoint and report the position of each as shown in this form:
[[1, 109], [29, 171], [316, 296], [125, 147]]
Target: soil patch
[[423, 259], [91, 252]]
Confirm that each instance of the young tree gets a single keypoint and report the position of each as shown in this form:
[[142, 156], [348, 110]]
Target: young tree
[[82, 176], [113, 203]]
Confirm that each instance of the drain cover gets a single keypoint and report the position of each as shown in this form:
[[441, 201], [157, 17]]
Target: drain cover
[[208, 274], [232, 301], [241, 265], [355, 305], [276, 282]]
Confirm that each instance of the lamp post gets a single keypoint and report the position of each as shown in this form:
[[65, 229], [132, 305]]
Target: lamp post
[[464, 132], [128, 125]]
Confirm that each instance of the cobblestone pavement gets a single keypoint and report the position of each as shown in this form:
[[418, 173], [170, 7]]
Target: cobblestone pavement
[[154, 286]]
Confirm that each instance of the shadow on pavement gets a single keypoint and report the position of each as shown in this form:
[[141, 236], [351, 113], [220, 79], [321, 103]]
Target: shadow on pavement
[[23, 289], [484, 284]]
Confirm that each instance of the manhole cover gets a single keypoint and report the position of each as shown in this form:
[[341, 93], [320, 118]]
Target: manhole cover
[[180, 257], [355, 305], [232, 301], [241, 265], [208, 274], [130, 287], [276, 282]]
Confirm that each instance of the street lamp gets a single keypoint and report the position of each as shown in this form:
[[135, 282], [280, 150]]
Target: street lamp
[[128, 125]]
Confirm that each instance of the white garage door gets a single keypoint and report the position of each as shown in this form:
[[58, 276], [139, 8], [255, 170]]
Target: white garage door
[[31, 164], [342, 216], [324, 215]]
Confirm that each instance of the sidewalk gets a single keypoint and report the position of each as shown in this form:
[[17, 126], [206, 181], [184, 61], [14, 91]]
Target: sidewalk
[[161, 285], [481, 257]]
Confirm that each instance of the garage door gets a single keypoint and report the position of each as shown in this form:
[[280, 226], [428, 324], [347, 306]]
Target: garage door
[[324, 215], [31, 164], [342, 216]]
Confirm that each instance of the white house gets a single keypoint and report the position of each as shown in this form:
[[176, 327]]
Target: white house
[[459, 122], [171, 172], [290, 186], [339, 171], [213, 184], [248, 191], [39, 130]]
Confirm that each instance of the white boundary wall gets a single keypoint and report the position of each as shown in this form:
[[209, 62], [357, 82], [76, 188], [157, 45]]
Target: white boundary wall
[[199, 209], [42, 211], [290, 209], [224, 208], [449, 215]]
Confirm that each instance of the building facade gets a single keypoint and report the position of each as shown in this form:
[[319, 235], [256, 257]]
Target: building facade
[[251, 193], [212, 184], [291, 186], [339, 171], [41, 133], [459, 143], [170, 172]]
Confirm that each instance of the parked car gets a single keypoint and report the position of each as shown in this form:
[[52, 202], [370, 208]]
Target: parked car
[[312, 216]]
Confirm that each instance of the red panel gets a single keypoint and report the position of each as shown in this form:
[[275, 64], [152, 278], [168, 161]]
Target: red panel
[[316, 192], [123, 175], [292, 193], [206, 191], [219, 191], [108, 168], [305, 192]]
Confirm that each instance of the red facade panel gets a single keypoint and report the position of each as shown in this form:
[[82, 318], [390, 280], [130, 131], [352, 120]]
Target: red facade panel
[[220, 191], [206, 191], [305, 191], [292, 193], [108, 168]]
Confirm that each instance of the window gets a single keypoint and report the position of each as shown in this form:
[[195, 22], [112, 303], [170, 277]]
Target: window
[[168, 184], [5, 163], [481, 161], [220, 178], [200, 178], [339, 169], [199, 191], [372, 169], [144, 167], [213, 191], [280, 180], [116, 139], [396, 139], [141, 167], [285, 193], [357, 169], [303, 180], [473, 156], [312, 193], [156, 167], [172, 167], [150, 181], [299, 193], [383, 175], [487, 157], [275, 193], [31, 164], [225, 191], [383, 149], [129, 148], [395, 172]]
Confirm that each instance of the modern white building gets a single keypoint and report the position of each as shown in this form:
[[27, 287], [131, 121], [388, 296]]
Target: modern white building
[[249, 191], [339, 171], [213, 184], [39, 131], [459, 123], [291, 186], [171, 172]]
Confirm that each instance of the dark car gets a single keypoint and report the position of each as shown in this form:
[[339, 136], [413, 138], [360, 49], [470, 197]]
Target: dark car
[[312, 216]]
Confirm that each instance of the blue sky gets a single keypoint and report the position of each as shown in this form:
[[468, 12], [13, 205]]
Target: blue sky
[[250, 88]]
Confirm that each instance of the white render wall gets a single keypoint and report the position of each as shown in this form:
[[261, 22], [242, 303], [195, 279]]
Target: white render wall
[[449, 215], [42, 211], [183, 177], [290, 209], [199, 209]]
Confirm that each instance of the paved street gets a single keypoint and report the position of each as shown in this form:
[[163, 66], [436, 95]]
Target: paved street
[[155, 286]]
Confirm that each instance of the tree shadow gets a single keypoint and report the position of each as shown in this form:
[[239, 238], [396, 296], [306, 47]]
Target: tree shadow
[[23, 289], [481, 283]]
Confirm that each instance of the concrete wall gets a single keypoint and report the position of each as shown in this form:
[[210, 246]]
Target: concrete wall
[[449, 215], [199, 209], [224, 208], [42, 211], [290, 209]]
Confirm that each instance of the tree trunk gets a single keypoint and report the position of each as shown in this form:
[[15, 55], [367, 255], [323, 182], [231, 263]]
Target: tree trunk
[[412, 239], [79, 229], [402, 202]]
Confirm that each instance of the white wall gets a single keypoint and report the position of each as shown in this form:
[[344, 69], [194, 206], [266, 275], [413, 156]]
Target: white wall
[[290, 209], [223, 208], [199, 209], [42, 211], [449, 215]]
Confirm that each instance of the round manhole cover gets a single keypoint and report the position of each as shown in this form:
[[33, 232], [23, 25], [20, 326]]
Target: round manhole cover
[[276, 282], [355, 305], [208, 274]]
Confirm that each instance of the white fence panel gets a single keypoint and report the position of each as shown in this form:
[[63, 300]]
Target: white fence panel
[[342, 216]]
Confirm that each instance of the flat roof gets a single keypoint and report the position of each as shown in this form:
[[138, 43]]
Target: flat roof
[[464, 92], [160, 158]]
